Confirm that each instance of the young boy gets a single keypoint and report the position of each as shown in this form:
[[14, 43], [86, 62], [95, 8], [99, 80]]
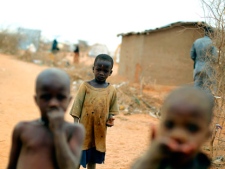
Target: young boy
[[184, 127], [94, 106], [49, 142]]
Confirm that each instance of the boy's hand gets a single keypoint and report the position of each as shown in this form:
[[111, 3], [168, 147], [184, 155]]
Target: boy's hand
[[164, 147], [165, 150], [168, 145], [56, 120], [110, 121]]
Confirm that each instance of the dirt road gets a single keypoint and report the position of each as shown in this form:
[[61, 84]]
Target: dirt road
[[125, 141]]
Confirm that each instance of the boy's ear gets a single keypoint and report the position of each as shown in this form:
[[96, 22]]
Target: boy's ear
[[70, 99], [93, 69], [110, 72], [208, 134], [35, 98], [153, 133]]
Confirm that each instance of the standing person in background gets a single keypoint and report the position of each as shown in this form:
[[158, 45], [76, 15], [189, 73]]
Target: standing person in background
[[54, 51], [76, 55], [94, 107], [204, 55], [55, 48]]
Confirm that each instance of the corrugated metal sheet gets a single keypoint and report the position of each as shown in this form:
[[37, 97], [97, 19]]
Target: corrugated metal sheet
[[180, 23]]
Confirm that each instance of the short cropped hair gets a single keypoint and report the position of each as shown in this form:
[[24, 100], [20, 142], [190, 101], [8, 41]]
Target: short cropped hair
[[208, 31], [191, 95], [104, 57]]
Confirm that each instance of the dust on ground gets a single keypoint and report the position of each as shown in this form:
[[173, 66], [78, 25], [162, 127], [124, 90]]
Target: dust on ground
[[125, 141]]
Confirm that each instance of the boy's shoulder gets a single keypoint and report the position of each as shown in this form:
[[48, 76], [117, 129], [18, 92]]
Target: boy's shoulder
[[84, 85], [112, 87], [87, 84], [23, 125], [73, 127], [75, 131]]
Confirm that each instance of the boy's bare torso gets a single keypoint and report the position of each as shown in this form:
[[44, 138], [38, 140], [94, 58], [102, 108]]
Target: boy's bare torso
[[37, 148]]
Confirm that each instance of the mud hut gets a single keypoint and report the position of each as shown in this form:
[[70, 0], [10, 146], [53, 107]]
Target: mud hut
[[161, 54]]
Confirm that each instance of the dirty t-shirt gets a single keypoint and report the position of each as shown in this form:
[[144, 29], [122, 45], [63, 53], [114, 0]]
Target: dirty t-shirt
[[93, 106]]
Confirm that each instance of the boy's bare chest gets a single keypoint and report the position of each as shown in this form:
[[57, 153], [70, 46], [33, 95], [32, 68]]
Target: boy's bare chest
[[37, 138]]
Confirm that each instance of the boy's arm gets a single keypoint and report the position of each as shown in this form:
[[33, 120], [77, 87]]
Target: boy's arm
[[68, 152], [15, 148], [145, 162], [78, 102], [155, 156], [113, 110], [160, 152]]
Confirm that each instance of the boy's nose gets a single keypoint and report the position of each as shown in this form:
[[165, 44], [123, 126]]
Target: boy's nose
[[101, 73], [53, 103], [179, 136]]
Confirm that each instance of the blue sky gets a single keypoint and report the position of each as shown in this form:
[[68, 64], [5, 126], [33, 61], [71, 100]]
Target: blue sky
[[96, 21]]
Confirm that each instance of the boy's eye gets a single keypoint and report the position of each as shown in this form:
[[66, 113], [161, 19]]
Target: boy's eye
[[106, 71], [46, 97], [60, 97], [192, 128], [169, 124]]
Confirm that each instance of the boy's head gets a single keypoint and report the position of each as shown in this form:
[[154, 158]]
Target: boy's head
[[186, 116], [102, 68], [52, 91], [209, 31]]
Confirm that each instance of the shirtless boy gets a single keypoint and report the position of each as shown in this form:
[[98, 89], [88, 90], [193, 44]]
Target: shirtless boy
[[49, 142], [184, 127]]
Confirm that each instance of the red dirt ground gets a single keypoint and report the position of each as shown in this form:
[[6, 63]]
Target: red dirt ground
[[125, 141]]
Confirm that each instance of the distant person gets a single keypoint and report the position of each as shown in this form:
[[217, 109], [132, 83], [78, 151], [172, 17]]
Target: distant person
[[94, 107], [50, 141], [76, 54], [55, 47], [204, 55], [184, 127]]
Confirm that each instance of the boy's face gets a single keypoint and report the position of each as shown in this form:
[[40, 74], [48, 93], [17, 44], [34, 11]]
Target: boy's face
[[187, 125], [102, 70], [52, 95]]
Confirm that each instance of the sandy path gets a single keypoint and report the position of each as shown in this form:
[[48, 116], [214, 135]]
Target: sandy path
[[125, 141]]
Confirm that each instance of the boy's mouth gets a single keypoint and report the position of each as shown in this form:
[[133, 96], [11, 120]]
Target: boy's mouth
[[53, 109], [100, 78]]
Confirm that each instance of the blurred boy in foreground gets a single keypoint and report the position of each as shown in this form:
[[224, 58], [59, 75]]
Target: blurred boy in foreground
[[184, 127], [49, 142]]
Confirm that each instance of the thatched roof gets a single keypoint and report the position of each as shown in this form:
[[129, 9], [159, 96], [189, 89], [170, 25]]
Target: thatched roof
[[172, 25]]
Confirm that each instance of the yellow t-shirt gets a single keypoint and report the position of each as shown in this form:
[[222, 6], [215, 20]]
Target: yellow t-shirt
[[93, 106]]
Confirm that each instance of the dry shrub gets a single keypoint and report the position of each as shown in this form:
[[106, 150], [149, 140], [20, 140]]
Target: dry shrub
[[133, 101], [214, 14], [9, 42], [80, 72]]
